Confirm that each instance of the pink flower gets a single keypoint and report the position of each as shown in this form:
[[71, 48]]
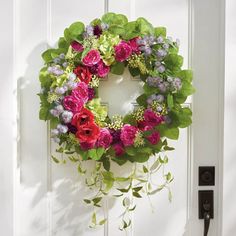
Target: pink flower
[[87, 145], [104, 139], [144, 126], [119, 149], [154, 138], [72, 103], [102, 69], [152, 118], [81, 92], [77, 46], [122, 51], [128, 133], [134, 45], [91, 58]]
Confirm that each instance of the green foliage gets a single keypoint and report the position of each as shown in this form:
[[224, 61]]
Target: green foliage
[[160, 31], [170, 101], [114, 19], [108, 180], [129, 119], [96, 154], [74, 32], [142, 100], [118, 68], [173, 62], [99, 111], [50, 54]]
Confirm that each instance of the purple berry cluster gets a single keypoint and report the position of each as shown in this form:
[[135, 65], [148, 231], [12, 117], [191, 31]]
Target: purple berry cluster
[[164, 85]]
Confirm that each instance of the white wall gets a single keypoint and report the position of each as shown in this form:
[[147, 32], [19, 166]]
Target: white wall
[[6, 118], [229, 205]]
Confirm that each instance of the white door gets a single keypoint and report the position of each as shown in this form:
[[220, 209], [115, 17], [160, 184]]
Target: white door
[[48, 197]]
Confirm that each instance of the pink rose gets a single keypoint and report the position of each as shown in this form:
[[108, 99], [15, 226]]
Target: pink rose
[[77, 46], [91, 58], [151, 118], [72, 103], [119, 149], [81, 92], [122, 51], [87, 145], [144, 126], [102, 69], [104, 139], [128, 133], [154, 138], [134, 45]]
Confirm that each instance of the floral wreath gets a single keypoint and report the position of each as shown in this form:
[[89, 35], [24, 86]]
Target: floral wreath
[[79, 122]]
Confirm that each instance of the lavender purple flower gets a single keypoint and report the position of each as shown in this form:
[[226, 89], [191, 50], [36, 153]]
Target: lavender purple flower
[[160, 39], [55, 70], [60, 90], [161, 68], [161, 53], [62, 129], [67, 116]]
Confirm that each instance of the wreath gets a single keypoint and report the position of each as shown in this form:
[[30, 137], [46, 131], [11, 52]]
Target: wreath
[[79, 122]]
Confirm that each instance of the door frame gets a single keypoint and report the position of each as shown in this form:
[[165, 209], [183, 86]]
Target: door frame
[[10, 170]]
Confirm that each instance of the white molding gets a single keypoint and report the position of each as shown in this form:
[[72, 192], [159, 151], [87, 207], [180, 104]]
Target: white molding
[[221, 115], [49, 147]]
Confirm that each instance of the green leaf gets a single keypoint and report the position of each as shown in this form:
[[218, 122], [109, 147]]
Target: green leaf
[[80, 170], [187, 89], [131, 150], [144, 26], [108, 179], [168, 176], [124, 190], [145, 170], [160, 31], [170, 101], [136, 194], [173, 61], [106, 163], [102, 222], [131, 30], [118, 68], [47, 57], [149, 90], [134, 71], [185, 75], [139, 158], [96, 154], [129, 119], [133, 208], [114, 19], [100, 152], [43, 113], [55, 159], [156, 190], [172, 133], [155, 165], [142, 100], [87, 201], [76, 29], [94, 218], [62, 43], [137, 189], [167, 148], [122, 179], [96, 200]]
